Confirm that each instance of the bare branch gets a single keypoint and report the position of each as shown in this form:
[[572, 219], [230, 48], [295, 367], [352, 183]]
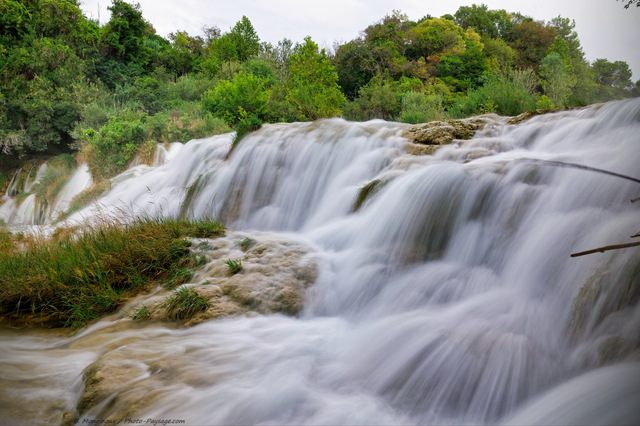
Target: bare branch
[[605, 248], [576, 166]]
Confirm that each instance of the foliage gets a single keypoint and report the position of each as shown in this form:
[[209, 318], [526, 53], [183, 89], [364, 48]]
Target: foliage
[[244, 96], [555, 79], [420, 108], [69, 83], [111, 148], [76, 278], [613, 78], [380, 98], [504, 95], [313, 83], [630, 2]]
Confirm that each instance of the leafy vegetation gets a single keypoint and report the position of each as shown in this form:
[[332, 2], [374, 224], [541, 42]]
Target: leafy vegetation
[[115, 90], [75, 278]]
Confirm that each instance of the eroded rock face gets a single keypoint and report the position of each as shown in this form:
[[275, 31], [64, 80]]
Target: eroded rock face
[[274, 276]]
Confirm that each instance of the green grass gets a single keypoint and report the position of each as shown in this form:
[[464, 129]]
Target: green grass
[[246, 243], [141, 313], [178, 276], [184, 303], [234, 266], [77, 278], [367, 191]]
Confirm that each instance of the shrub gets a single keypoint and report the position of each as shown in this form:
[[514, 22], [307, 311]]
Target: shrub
[[500, 94], [246, 95], [378, 99], [420, 108], [113, 146]]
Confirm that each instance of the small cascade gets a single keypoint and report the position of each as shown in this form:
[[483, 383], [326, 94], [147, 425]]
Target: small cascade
[[25, 203]]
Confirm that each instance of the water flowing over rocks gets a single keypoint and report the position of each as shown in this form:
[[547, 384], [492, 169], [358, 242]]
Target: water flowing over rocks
[[448, 297]]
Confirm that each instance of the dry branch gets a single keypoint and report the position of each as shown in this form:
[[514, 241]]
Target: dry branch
[[605, 248]]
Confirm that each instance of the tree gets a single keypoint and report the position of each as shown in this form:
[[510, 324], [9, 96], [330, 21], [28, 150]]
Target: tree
[[490, 23], [239, 44], [531, 41], [245, 96], [435, 36], [555, 79], [613, 78], [313, 83], [123, 36]]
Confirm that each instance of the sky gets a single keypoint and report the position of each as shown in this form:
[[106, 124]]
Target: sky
[[605, 28]]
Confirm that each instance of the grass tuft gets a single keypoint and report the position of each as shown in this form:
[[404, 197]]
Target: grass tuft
[[184, 303], [141, 313], [246, 243], [234, 266], [367, 191]]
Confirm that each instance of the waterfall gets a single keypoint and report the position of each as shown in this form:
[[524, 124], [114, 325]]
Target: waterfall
[[449, 297]]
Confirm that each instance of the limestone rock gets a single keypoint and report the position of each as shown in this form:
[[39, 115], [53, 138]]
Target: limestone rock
[[274, 277], [443, 132]]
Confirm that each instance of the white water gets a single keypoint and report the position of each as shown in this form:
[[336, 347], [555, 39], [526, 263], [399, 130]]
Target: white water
[[446, 299]]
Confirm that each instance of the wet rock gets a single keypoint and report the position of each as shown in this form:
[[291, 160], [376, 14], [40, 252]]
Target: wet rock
[[274, 276], [529, 114], [437, 133], [421, 149]]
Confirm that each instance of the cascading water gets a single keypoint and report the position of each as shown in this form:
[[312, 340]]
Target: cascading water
[[448, 298]]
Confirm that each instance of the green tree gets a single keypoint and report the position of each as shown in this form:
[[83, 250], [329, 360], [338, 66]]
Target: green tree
[[239, 44], [613, 78], [556, 79], [532, 40], [245, 96], [490, 23], [313, 83], [355, 66], [123, 36]]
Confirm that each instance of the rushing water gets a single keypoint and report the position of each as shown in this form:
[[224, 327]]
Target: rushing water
[[448, 298]]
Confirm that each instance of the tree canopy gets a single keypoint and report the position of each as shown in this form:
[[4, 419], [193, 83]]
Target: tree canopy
[[69, 83]]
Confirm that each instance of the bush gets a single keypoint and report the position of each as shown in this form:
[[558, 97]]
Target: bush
[[420, 108], [500, 94], [378, 99], [113, 146], [245, 96]]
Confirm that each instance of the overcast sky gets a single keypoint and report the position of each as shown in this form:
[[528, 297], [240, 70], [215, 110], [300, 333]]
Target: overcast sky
[[606, 29]]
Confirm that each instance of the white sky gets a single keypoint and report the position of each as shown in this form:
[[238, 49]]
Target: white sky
[[606, 29]]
